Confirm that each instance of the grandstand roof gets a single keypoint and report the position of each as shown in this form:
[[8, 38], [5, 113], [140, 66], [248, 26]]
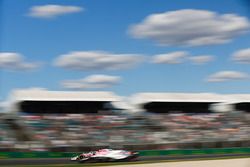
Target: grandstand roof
[[178, 97], [45, 95], [239, 98]]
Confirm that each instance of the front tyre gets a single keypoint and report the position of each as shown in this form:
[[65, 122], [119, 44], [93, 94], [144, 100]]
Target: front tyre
[[82, 159]]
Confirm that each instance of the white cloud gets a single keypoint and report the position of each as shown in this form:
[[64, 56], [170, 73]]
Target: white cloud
[[92, 82], [170, 58], [242, 56], [97, 60], [201, 59], [227, 76], [15, 61], [190, 27], [52, 11]]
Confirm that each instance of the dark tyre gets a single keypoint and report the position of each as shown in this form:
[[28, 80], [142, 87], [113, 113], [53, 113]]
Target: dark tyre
[[83, 159]]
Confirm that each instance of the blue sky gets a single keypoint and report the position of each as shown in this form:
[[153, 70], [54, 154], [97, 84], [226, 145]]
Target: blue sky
[[125, 46]]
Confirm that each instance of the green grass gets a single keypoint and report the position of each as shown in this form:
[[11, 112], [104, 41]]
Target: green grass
[[123, 163]]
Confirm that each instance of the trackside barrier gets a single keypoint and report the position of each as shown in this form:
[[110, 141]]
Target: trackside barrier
[[195, 152], [5, 155]]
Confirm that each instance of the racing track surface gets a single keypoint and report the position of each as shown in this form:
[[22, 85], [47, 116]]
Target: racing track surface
[[240, 162], [46, 161]]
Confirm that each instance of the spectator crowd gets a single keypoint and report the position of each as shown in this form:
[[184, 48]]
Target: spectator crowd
[[56, 130]]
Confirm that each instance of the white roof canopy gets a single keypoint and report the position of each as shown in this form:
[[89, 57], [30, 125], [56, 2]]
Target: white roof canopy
[[130, 102], [45, 95], [178, 97]]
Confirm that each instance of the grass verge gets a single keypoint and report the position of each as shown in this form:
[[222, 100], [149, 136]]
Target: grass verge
[[125, 163]]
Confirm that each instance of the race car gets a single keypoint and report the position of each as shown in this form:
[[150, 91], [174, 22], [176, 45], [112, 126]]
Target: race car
[[106, 155]]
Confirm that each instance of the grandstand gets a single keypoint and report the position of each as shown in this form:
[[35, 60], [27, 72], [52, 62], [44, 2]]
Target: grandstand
[[72, 121], [42, 101], [177, 102]]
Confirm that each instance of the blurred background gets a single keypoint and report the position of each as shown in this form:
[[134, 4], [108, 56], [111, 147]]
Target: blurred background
[[41, 120], [83, 75]]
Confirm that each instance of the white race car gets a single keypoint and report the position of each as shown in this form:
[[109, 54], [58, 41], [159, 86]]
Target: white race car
[[106, 155]]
